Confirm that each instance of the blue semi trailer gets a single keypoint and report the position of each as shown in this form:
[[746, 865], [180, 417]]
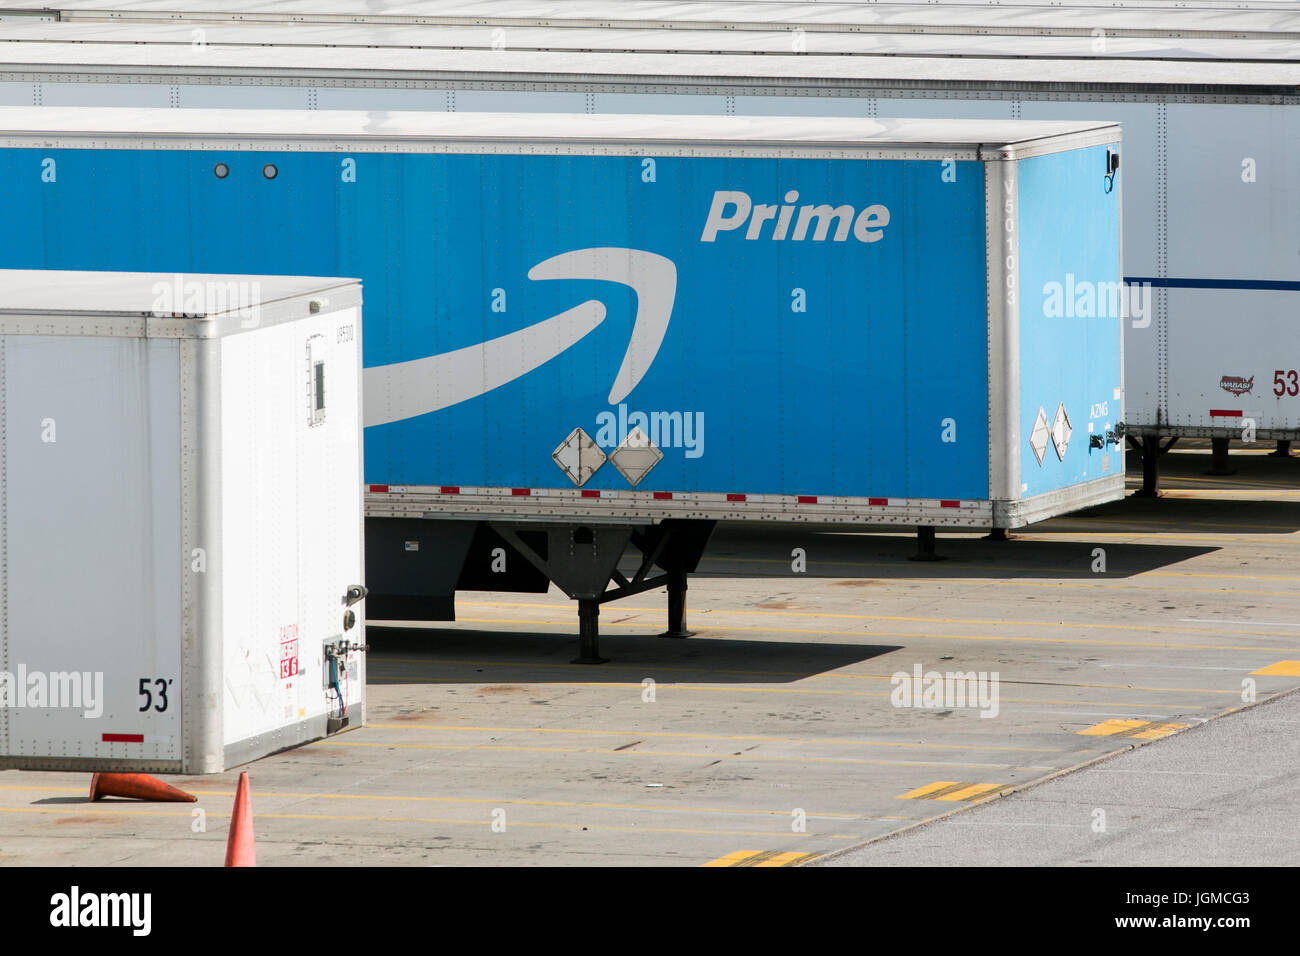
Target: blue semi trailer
[[589, 335]]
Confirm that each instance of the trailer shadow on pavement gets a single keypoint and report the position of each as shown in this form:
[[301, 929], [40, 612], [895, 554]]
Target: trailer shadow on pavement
[[859, 557], [456, 655]]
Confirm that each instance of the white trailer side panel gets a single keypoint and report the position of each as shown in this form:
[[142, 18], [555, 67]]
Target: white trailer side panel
[[289, 471], [92, 544]]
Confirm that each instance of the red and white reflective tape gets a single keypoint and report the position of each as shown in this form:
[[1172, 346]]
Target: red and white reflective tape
[[632, 497], [136, 738], [1225, 413]]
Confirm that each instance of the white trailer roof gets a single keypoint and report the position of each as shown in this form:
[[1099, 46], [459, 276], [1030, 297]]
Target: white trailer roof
[[333, 126], [1223, 18], [56, 292], [827, 72], [1280, 46]]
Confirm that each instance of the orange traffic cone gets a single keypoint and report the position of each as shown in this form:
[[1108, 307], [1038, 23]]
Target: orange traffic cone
[[136, 786], [239, 845]]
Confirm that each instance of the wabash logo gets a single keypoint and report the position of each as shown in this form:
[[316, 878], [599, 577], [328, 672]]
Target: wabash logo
[[1236, 384], [407, 389]]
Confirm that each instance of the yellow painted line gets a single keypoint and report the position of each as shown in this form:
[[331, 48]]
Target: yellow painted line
[[1112, 584], [1137, 523], [1145, 535], [784, 859], [768, 858], [751, 689], [971, 792], [1244, 483], [677, 736], [923, 792], [1143, 526], [1109, 728], [778, 612], [672, 668], [485, 823], [760, 858], [1121, 584], [495, 802], [1141, 729], [1159, 730], [72, 810], [1280, 669], [892, 635], [1005, 567], [498, 748], [951, 791]]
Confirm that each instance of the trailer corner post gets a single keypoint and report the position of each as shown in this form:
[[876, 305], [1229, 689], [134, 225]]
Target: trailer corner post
[[203, 721], [1002, 295]]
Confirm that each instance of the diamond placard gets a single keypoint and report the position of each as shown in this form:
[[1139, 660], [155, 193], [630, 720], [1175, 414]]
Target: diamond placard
[[635, 456], [578, 457], [1040, 436], [1061, 430]]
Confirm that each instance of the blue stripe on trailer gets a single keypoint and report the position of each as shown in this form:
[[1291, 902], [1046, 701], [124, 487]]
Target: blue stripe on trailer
[[1268, 285]]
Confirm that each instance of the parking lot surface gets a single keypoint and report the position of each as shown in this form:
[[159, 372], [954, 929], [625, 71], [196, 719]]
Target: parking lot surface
[[777, 734]]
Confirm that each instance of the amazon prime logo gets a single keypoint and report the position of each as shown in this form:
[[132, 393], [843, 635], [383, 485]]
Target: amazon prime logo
[[732, 209], [407, 389]]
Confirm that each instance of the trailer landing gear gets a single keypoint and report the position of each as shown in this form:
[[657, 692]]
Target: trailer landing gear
[[1219, 458], [589, 633], [1283, 450], [1151, 449], [677, 604], [582, 561], [925, 545]]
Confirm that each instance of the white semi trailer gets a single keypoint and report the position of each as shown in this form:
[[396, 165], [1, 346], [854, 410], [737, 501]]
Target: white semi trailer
[[1168, 74], [1028, 17], [180, 518]]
